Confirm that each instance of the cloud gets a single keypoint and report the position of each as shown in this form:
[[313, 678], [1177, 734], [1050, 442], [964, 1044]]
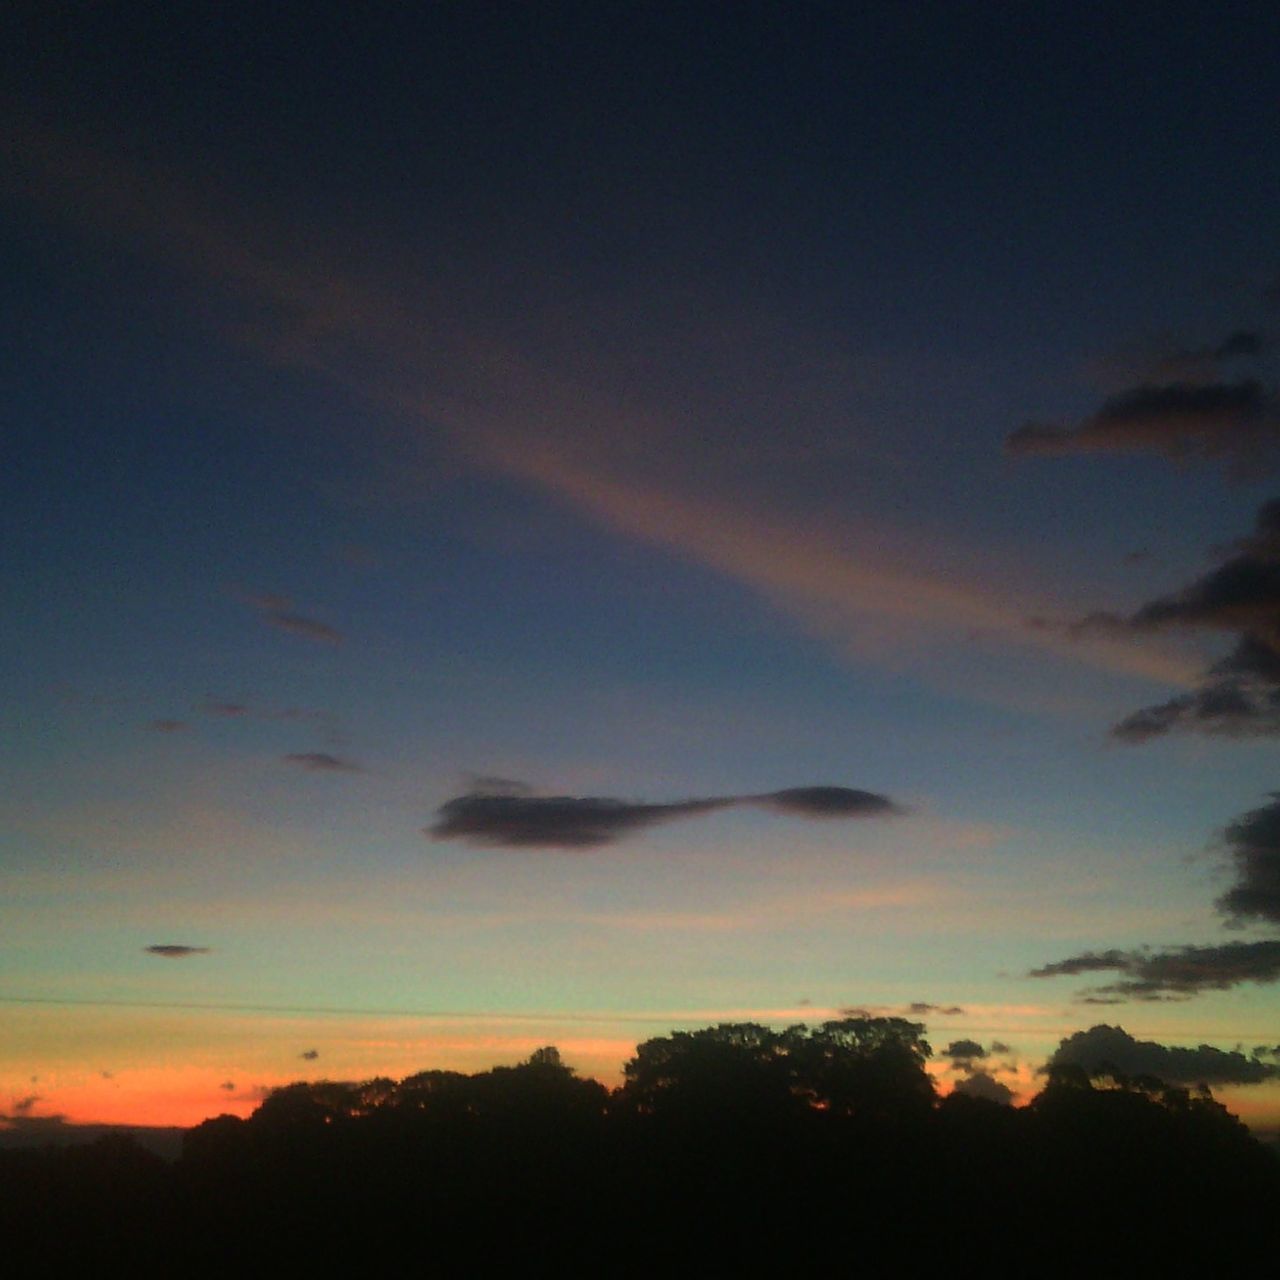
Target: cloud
[[516, 819], [278, 612], [321, 762], [1175, 972], [1253, 842], [1238, 696], [963, 1052], [920, 1007], [1165, 361], [228, 1085], [215, 707], [981, 1085], [538, 413], [1103, 1046], [22, 1106], [826, 802], [175, 950], [1235, 420], [168, 726], [243, 710], [310, 1054]]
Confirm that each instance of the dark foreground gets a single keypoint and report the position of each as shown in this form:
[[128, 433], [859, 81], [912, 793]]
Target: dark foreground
[[730, 1150]]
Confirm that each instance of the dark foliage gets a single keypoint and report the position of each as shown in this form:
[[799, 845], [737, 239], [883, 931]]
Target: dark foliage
[[734, 1147]]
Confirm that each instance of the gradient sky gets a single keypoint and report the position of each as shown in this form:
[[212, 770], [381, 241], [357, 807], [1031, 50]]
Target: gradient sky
[[402, 406]]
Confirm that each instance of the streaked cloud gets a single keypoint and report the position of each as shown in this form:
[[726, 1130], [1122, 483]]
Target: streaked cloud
[[175, 950], [542, 421], [278, 611], [1173, 972]]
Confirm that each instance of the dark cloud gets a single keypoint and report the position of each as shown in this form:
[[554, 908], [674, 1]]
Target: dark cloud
[[1253, 842], [228, 1085], [1103, 1047], [168, 726], [999, 1046], [827, 802], [310, 1054], [214, 707], [516, 819], [278, 612], [1243, 342], [919, 1007], [1174, 972], [1224, 709], [1235, 420], [963, 1051], [23, 1106], [1239, 695], [174, 950], [979, 1084], [321, 762]]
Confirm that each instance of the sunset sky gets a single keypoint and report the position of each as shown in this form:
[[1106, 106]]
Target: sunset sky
[[550, 523]]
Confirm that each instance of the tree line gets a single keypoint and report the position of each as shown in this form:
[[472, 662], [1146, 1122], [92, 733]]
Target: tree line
[[735, 1146]]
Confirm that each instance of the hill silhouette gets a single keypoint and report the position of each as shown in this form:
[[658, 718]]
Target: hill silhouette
[[733, 1148]]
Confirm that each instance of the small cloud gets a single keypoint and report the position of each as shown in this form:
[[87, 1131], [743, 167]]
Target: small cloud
[[829, 802], [215, 707], [964, 1052], [514, 818], [23, 1106], [228, 1085], [168, 726], [1103, 1047], [978, 1084], [310, 1054], [175, 950], [999, 1046], [278, 611], [920, 1008], [321, 762]]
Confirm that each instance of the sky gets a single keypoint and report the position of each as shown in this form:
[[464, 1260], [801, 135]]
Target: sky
[[552, 523]]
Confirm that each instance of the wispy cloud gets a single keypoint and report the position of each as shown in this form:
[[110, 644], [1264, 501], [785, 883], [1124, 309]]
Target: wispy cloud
[[278, 611], [525, 418], [168, 726], [175, 950], [321, 762]]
